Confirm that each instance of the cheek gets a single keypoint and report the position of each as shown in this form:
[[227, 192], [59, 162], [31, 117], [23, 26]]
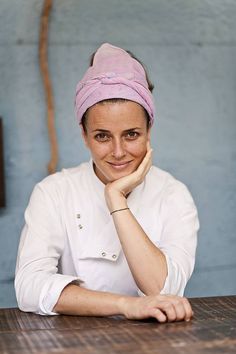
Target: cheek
[[99, 150], [137, 149]]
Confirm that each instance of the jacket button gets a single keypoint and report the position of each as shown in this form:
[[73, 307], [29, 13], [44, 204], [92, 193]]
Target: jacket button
[[80, 226], [104, 254], [78, 216], [114, 256]]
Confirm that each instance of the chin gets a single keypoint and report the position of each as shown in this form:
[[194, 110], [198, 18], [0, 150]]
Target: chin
[[114, 176]]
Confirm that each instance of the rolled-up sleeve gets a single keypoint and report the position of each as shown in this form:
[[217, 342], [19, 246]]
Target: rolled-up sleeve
[[179, 238], [38, 284]]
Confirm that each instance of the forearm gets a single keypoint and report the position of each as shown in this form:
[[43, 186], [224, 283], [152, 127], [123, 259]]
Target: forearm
[[147, 263], [75, 300]]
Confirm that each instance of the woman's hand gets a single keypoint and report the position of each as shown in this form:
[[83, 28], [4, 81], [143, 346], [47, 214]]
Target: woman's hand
[[165, 308], [120, 188]]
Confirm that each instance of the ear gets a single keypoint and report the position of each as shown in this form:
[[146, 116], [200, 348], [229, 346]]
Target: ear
[[84, 135]]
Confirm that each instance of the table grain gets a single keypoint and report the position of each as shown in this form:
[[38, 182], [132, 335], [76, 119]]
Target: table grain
[[212, 330]]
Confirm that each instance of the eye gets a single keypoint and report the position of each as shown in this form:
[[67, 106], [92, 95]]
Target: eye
[[102, 137], [132, 135]]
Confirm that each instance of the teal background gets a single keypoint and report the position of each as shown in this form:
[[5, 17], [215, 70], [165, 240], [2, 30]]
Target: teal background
[[190, 50]]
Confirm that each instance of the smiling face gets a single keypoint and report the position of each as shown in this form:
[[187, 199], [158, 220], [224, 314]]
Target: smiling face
[[116, 135]]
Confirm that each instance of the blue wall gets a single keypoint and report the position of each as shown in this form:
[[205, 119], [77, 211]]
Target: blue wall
[[189, 48]]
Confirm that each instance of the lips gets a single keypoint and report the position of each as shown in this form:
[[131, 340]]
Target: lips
[[119, 165]]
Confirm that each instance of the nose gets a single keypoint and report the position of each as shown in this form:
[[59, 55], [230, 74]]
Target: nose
[[118, 149]]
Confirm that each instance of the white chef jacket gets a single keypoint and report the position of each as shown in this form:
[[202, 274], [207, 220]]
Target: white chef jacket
[[69, 234]]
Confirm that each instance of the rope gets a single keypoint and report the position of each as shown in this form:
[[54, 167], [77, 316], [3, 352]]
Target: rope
[[43, 62]]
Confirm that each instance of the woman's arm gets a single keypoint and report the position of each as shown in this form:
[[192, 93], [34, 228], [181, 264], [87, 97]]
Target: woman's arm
[[147, 263], [75, 300]]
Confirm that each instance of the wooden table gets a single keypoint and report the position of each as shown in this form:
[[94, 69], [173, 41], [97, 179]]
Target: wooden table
[[213, 330]]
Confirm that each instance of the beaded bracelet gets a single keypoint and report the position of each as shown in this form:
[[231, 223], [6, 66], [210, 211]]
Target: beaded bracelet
[[114, 211]]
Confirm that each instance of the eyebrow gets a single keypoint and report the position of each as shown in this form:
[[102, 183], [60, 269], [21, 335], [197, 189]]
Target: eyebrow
[[108, 131]]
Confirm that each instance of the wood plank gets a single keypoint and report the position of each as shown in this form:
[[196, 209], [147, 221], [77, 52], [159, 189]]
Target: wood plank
[[213, 330]]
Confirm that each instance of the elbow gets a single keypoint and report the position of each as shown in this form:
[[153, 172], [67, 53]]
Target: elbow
[[20, 296], [25, 298], [154, 288], [157, 281]]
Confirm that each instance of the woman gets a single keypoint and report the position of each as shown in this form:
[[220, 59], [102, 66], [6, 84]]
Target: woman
[[115, 235]]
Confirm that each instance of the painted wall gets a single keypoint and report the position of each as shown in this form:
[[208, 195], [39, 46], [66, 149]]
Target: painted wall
[[189, 48]]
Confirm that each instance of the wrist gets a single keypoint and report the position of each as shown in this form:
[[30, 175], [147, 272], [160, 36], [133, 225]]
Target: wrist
[[115, 200], [118, 210], [123, 305], [117, 205]]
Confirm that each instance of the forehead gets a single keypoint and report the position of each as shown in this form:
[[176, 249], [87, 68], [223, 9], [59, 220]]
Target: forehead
[[107, 115]]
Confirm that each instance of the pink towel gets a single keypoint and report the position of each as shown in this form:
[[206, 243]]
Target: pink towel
[[114, 74]]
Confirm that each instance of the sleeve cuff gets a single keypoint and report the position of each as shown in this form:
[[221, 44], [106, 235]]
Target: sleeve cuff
[[51, 291], [175, 281]]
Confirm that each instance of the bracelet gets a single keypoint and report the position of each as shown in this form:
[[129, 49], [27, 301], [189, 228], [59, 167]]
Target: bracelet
[[114, 211]]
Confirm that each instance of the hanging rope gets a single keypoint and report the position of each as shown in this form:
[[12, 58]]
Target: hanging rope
[[43, 61]]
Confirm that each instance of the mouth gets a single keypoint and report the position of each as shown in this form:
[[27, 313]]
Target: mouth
[[119, 165]]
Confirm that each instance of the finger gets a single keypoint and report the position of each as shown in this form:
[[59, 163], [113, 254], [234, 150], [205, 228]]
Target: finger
[[148, 145], [188, 309], [146, 158], [158, 314], [180, 310], [149, 153], [169, 310], [146, 163], [182, 307]]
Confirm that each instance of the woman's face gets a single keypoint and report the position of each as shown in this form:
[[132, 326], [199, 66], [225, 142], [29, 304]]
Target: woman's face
[[116, 135]]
